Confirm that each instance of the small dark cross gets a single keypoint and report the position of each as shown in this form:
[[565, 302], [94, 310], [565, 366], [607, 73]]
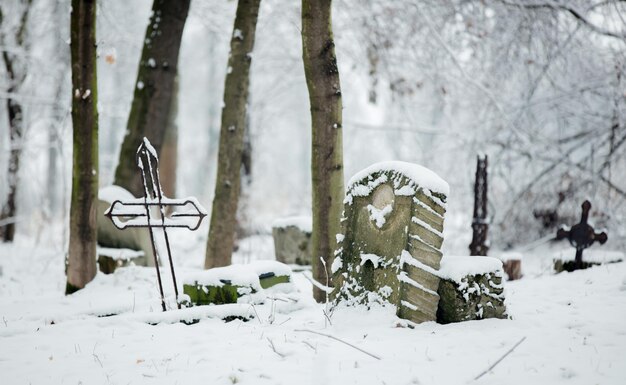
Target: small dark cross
[[581, 235], [480, 224], [138, 213]]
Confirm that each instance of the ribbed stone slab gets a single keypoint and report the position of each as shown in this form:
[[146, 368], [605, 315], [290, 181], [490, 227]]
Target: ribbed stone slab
[[389, 249]]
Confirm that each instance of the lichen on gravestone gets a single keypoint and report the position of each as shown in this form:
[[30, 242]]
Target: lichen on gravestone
[[222, 285], [471, 288], [389, 249]]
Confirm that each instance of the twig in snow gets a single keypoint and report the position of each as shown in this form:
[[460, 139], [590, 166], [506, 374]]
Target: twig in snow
[[317, 284], [274, 348], [325, 311], [500, 359], [327, 317], [337, 339], [257, 314], [309, 345]]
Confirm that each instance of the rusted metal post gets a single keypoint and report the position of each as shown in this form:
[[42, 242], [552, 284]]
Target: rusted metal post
[[480, 225]]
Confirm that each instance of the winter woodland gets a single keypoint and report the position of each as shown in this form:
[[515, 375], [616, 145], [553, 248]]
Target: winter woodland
[[324, 192]]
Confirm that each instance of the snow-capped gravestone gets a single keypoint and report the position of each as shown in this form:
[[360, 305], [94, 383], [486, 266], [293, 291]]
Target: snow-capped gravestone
[[471, 288], [109, 259], [389, 249], [222, 285], [292, 240]]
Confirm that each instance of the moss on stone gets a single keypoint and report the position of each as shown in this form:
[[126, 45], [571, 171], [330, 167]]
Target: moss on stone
[[476, 297], [207, 294], [273, 280]]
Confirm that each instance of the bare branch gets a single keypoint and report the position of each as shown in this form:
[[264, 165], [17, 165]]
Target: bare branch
[[572, 10], [337, 339], [500, 359]]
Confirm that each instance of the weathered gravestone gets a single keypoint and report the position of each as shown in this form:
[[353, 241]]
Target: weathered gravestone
[[292, 240], [470, 289], [222, 285], [389, 249], [110, 237], [109, 259]]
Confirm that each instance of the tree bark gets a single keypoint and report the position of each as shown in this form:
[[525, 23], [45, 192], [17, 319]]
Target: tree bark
[[154, 90], [168, 161], [81, 264], [15, 71], [228, 183], [322, 77]]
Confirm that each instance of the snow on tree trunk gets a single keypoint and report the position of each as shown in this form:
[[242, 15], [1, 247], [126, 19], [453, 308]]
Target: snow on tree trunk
[[228, 183], [81, 264], [152, 102], [322, 77]]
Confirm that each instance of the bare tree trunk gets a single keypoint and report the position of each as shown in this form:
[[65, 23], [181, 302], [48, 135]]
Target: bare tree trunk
[[16, 73], [169, 151], [322, 77], [228, 183], [81, 265], [154, 90]]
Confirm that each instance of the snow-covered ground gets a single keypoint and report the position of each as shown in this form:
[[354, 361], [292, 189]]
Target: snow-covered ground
[[573, 323]]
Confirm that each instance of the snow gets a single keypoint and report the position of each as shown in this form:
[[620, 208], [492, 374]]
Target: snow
[[455, 268], [236, 275], [119, 254], [304, 223], [573, 324], [403, 277], [590, 255], [378, 216], [422, 176], [114, 193], [246, 275], [407, 258], [336, 265], [510, 256], [188, 213], [375, 259]]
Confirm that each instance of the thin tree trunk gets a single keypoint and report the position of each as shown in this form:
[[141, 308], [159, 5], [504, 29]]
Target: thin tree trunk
[[16, 73], [322, 77], [59, 111], [228, 183], [154, 90], [81, 265]]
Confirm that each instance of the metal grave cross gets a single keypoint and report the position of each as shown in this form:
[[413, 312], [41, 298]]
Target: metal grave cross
[[139, 212], [581, 235]]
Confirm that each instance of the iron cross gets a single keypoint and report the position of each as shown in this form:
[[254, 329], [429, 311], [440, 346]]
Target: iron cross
[[581, 235], [140, 213]]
